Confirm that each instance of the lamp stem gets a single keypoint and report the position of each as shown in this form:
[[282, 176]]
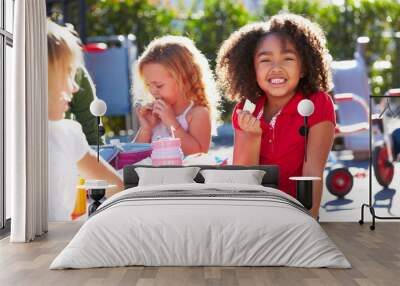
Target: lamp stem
[[98, 137], [305, 138]]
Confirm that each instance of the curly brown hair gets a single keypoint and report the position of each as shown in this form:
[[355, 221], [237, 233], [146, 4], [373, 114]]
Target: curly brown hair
[[235, 67]]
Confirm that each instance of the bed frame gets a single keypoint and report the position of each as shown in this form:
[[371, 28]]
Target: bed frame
[[270, 178]]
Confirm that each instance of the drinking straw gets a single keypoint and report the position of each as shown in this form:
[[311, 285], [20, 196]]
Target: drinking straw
[[172, 131]]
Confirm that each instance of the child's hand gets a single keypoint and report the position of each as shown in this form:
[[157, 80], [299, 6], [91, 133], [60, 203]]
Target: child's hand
[[248, 122], [165, 112], [146, 118]]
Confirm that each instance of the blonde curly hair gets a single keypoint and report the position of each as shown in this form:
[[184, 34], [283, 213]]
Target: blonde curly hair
[[187, 65]]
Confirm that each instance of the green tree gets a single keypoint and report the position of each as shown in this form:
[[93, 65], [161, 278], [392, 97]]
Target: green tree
[[210, 27], [139, 17], [344, 24], [210, 22]]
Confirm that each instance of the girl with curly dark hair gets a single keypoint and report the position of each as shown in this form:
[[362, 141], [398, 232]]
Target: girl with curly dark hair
[[275, 65]]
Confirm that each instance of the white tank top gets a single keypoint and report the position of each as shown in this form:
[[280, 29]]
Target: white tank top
[[161, 130]]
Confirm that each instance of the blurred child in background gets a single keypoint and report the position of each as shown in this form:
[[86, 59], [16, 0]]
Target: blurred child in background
[[69, 152]]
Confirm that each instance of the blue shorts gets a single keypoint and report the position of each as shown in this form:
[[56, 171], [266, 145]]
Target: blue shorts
[[396, 141]]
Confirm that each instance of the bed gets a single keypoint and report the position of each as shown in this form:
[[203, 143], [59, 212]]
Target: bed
[[201, 224]]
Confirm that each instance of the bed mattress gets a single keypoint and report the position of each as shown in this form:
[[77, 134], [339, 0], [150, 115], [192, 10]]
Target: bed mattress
[[201, 225]]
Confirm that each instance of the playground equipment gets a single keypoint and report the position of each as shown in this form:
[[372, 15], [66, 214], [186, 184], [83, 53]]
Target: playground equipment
[[351, 95], [386, 134], [110, 62]]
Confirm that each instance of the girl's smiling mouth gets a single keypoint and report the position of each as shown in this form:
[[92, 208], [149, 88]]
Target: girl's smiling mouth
[[277, 81]]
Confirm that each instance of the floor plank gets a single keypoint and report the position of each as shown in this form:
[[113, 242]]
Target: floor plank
[[374, 255]]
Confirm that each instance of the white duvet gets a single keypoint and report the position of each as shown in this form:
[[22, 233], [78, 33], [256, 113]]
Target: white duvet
[[207, 230]]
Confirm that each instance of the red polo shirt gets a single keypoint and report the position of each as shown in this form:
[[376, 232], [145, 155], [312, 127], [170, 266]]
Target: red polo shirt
[[282, 144]]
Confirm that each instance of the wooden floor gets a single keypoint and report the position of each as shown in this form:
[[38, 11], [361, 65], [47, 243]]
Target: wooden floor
[[374, 255]]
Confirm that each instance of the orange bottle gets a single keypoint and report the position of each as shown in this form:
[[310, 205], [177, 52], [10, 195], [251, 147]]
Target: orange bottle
[[80, 201]]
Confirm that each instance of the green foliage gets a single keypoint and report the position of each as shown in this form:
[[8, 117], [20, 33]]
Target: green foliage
[[211, 27], [145, 21], [210, 22], [344, 24], [113, 124]]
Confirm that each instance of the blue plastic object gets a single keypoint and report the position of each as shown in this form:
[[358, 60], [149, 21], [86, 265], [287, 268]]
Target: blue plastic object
[[109, 70], [135, 147], [108, 153], [396, 142]]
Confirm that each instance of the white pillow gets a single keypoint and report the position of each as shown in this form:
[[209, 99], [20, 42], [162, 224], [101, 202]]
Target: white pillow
[[249, 177], [164, 176]]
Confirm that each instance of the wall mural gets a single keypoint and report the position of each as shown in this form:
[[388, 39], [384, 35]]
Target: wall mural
[[177, 108]]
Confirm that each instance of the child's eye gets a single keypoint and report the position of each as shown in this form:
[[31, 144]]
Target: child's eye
[[289, 59], [265, 61], [159, 86]]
